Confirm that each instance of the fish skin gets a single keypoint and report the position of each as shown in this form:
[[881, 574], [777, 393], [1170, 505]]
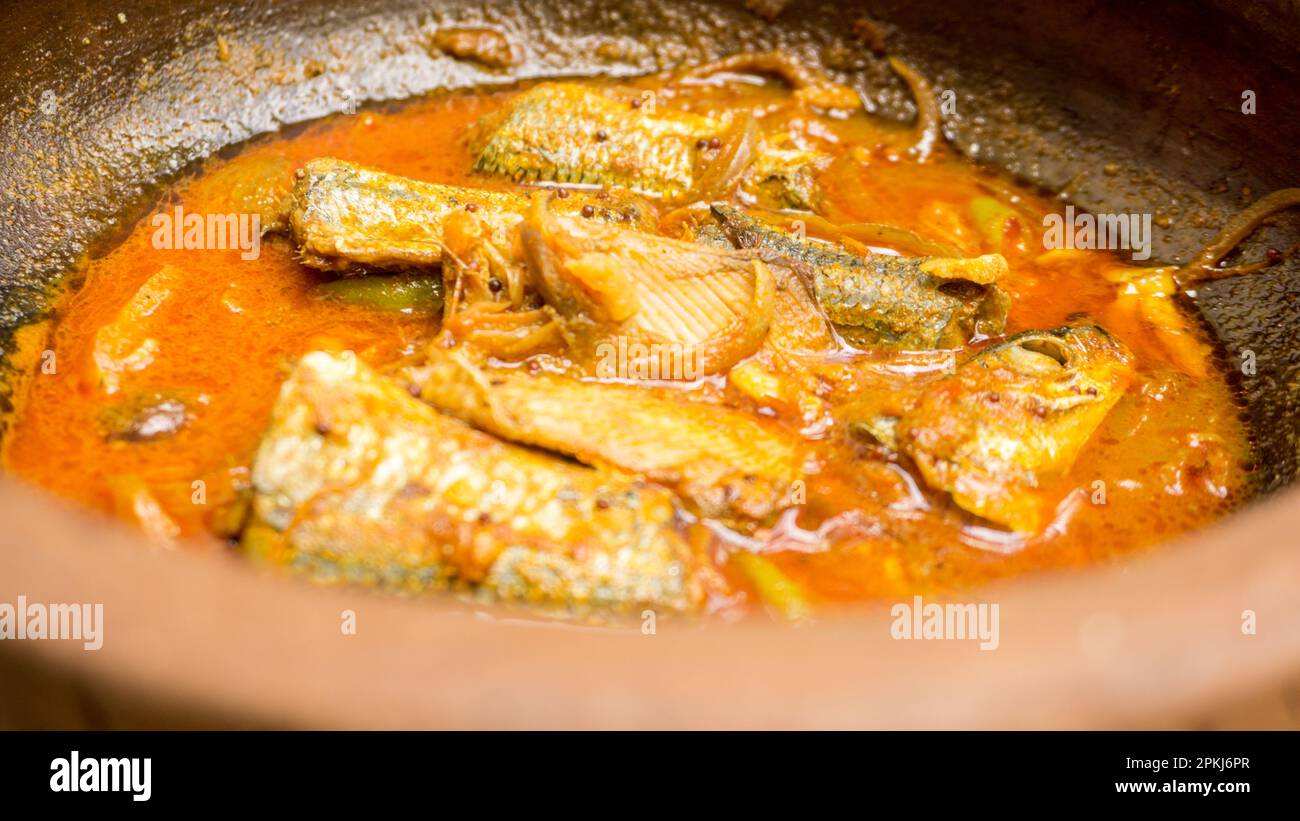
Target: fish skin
[[786, 178], [357, 480], [894, 302], [745, 231], [348, 218], [552, 132], [916, 303], [725, 463], [1012, 418], [687, 303]]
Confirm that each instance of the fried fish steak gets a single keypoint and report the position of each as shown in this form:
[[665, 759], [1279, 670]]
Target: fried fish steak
[[916, 303], [1013, 418], [357, 480], [571, 133], [574, 134], [724, 463], [348, 218], [692, 309]]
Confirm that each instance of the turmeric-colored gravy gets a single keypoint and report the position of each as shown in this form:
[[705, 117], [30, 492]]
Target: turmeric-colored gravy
[[1171, 455]]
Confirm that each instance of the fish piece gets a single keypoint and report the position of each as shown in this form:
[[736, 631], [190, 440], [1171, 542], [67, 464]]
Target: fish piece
[[1012, 419], [674, 307], [725, 463], [572, 133], [799, 325], [576, 134], [786, 177], [356, 480], [348, 218], [893, 302], [710, 234], [126, 344], [745, 231], [602, 292], [777, 376], [899, 302], [344, 216]]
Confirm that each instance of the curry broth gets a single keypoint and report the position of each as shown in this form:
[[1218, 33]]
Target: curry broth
[[1170, 454]]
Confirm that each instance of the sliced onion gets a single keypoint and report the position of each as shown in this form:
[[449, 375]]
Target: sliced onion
[[723, 174], [927, 132], [1202, 268]]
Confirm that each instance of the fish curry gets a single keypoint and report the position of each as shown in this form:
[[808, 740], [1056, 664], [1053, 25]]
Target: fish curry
[[710, 342]]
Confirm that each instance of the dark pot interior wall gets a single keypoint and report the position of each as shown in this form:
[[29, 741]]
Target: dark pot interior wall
[[101, 108]]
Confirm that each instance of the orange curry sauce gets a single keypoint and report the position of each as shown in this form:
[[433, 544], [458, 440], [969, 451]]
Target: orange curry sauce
[[1171, 454]]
